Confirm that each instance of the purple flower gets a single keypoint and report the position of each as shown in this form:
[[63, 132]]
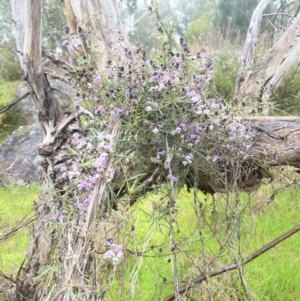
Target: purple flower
[[63, 168], [97, 77], [92, 180], [118, 249], [172, 178], [109, 254], [215, 158], [76, 41], [100, 110], [101, 160], [84, 185], [70, 61], [81, 143], [80, 206], [87, 201]]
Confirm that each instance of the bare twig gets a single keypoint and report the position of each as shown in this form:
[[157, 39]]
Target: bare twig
[[17, 228], [227, 268], [272, 118], [14, 102], [54, 75], [52, 57], [277, 14]]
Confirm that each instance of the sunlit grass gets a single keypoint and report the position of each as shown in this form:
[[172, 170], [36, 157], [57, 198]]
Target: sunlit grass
[[273, 276], [15, 203]]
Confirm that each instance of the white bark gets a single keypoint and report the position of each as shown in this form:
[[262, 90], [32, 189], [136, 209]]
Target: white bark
[[102, 26], [257, 83]]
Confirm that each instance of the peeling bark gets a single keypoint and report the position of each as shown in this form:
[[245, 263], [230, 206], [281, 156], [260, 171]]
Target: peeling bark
[[277, 143], [256, 83], [102, 26]]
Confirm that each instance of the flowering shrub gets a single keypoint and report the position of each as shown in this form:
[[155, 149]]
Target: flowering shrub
[[169, 121]]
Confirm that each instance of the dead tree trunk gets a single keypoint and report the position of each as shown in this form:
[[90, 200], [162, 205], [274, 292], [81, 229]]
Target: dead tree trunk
[[256, 83]]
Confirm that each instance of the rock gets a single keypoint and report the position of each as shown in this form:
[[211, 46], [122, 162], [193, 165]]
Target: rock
[[19, 160], [18, 156]]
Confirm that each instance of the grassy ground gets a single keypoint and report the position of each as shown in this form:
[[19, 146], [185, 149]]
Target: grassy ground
[[15, 203], [274, 276]]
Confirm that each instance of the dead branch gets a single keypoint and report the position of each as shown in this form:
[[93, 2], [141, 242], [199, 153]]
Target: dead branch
[[14, 102], [17, 228], [251, 39], [234, 266], [54, 75], [53, 58], [278, 14], [260, 81]]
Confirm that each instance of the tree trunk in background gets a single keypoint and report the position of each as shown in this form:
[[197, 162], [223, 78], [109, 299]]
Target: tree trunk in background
[[257, 82], [101, 23]]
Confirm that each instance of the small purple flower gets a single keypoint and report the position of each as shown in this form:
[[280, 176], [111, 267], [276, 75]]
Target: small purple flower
[[118, 249], [215, 158], [87, 201], [84, 185], [81, 143], [76, 41], [92, 180], [109, 254], [97, 77], [80, 206], [101, 160], [63, 168], [172, 178]]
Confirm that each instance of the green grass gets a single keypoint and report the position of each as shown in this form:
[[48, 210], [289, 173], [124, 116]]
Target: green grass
[[274, 276], [15, 203]]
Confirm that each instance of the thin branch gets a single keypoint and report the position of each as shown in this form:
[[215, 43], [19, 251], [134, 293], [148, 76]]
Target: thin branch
[[14, 102], [52, 57], [17, 228], [278, 14], [54, 75], [273, 118], [6, 277], [233, 266]]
